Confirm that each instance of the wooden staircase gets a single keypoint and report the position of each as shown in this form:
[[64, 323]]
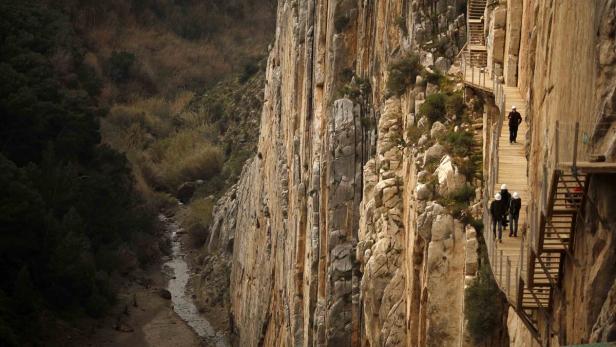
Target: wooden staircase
[[553, 243], [476, 48]]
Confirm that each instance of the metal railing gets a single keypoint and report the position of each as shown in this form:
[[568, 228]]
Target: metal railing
[[507, 269], [478, 76]]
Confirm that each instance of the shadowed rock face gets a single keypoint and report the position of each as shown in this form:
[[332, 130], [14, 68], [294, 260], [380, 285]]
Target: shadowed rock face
[[322, 222]]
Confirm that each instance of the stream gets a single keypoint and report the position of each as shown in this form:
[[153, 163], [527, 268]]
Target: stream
[[179, 274]]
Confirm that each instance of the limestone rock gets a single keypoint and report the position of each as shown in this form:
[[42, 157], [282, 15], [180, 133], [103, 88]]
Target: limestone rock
[[427, 59], [423, 192], [449, 179], [423, 122], [422, 140], [437, 129], [435, 152], [442, 64], [442, 227]]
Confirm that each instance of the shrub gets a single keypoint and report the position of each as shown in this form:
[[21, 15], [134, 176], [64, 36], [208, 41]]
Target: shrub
[[413, 134], [202, 164], [480, 311], [402, 73], [468, 166], [356, 89], [464, 194], [431, 165], [90, 80], [434, 77], [234, 165], [459, 142], [120, 66], [198, 235], [250, 68], [198, 214], [401, 22], [434, 107], [454, 104]]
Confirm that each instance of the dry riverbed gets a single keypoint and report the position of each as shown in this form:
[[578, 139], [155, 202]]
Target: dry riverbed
[[156, 312]]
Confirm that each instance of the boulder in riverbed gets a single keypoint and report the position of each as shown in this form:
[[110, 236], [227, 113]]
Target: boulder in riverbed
[[165, 294]]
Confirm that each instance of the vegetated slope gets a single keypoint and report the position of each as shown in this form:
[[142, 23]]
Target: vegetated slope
[[200, 141], [163, 47], [177, 77], [69, 220], [73, 217]]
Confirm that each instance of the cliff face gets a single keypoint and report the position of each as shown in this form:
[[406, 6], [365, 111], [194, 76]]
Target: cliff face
[[561, 55], [323, 225], [337, 233], [569, 77]]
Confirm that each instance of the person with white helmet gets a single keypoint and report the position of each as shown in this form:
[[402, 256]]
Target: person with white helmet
[[497, 211], [514, 122], [514, 213], [504, 192]]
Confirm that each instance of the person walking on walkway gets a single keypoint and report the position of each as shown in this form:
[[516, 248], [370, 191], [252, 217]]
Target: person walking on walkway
[[514, 213], [514, 122], [497, 211], [506, 196]]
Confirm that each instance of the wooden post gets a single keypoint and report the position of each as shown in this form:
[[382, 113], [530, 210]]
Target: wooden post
[[464, 68], [472, 74], [500, 272], [508, 275], [575, 145], [557, 145], [493, 254], [522, 260]]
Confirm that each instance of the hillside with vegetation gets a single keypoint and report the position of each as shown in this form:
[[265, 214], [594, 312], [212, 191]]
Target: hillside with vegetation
[[107, 108]]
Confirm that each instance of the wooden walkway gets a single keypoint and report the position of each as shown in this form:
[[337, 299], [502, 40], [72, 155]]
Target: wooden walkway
[[477, 77], [528, 268], [512, 166]]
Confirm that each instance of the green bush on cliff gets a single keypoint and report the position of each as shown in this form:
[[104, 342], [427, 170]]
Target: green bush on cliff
[[459, 142], [433, 107], [402, 74], [454, 104]]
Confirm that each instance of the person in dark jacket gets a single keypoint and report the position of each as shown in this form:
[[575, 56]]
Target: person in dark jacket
[[514, 122], [506, 200], [497, 211], [514, 213]]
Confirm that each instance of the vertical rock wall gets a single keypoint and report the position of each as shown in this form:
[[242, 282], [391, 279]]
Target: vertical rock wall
[[322, 229]]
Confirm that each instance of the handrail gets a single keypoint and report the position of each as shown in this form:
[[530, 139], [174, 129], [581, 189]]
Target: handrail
[[461, 50]]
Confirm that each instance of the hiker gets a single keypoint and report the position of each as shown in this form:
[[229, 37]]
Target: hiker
[[506, 196], [497, 210], [514, 213], [514, 122]]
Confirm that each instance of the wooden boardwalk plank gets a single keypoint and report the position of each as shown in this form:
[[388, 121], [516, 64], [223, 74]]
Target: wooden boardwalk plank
[[512, 166]]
